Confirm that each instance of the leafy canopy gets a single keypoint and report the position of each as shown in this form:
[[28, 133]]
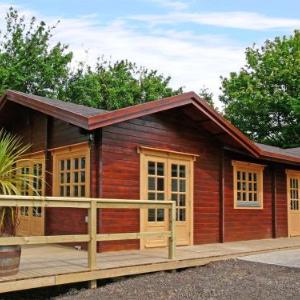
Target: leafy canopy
[[28, 63], [263, 98], [113, 85]]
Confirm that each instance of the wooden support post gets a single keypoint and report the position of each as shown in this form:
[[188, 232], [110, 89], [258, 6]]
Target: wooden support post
[[274, 204], [92, 248], [172, 228], [222, 197]]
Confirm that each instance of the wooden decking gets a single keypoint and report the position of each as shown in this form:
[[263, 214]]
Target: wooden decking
[[50, 265]]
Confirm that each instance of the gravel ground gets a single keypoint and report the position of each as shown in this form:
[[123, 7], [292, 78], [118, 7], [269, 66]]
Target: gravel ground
[[232, 279]]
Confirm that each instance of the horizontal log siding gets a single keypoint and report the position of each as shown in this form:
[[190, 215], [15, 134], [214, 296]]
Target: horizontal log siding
[[121, 173], [281, 204], [32, 127], [247, 224]]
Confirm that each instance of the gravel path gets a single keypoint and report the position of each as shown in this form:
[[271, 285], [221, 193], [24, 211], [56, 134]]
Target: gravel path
[[232, 279]]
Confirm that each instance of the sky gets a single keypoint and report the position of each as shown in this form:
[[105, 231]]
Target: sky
[[194, 41]]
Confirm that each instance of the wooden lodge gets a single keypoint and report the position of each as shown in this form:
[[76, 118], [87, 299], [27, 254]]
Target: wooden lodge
[[224, 186], [142, 179]]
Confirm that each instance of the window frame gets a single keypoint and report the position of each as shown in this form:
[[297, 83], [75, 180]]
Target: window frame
[[248, 168], [70, 152]]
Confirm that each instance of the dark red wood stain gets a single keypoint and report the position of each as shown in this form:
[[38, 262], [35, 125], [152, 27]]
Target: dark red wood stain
[[115, 173]]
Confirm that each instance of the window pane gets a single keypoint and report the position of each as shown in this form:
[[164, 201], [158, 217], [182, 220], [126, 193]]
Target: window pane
[[68, 193], [62, 165], [151, 168], [160, 214], [82, 176], [151, 215], [244, 186], [75, 177], [61, 191], [160, 184], [182, 171], [182, 214], [174, 170], [250, 176], [76, 163], [68, 177], [182, 200], [244, 175], [151, 196], [76, 191], [244, 197], [160, 169], [160, 196], [83, 163], [174, 185], [255, 187], [61, 177], [82, 193], [151, 183], [238, 175], [182, 185], [174, 197], [68, 164]]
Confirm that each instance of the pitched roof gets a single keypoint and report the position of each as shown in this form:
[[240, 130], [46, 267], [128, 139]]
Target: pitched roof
[[92, 118], [73, 113], [290, 151], [294, 151]]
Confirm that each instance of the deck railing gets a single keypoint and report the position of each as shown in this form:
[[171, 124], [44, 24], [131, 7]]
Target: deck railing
[[92, 237]]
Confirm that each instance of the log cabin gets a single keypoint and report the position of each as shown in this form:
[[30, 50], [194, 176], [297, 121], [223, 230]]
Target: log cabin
[[226, 187]]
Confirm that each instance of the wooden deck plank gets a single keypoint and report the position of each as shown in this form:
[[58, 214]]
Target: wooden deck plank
[[53, 265]]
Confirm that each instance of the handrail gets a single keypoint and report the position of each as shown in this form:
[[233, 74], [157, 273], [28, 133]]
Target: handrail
[[92, 237]]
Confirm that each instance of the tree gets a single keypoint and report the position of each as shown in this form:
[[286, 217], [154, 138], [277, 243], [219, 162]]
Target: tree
[[207, 95], [263, 98], [27, 62], [113, 85]]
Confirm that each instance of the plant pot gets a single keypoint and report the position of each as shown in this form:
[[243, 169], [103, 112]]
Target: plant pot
[[9, 260]]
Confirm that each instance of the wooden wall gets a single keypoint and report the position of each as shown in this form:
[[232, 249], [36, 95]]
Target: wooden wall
[[121, 172], [247, 224], [32, 126], [115, 174]]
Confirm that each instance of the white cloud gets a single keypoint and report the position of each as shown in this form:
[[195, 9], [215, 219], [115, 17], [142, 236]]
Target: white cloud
[[191, 60], [173, 5], [234, 19]]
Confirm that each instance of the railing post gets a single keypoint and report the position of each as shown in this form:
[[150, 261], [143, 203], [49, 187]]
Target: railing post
[[172, 229], [92, 247]]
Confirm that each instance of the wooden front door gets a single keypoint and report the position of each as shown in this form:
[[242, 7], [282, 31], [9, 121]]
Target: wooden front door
[[166, 178], [32, 219], [293, 203]]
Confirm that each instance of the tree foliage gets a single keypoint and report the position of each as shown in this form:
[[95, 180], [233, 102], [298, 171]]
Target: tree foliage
[[113, 85], [27, 61], [263, 98], [207, 95]]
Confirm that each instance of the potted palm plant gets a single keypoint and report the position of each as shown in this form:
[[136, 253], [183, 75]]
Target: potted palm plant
[[11, 178]]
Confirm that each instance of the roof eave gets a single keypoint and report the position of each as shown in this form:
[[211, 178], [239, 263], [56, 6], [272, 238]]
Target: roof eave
[[56, 112]]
